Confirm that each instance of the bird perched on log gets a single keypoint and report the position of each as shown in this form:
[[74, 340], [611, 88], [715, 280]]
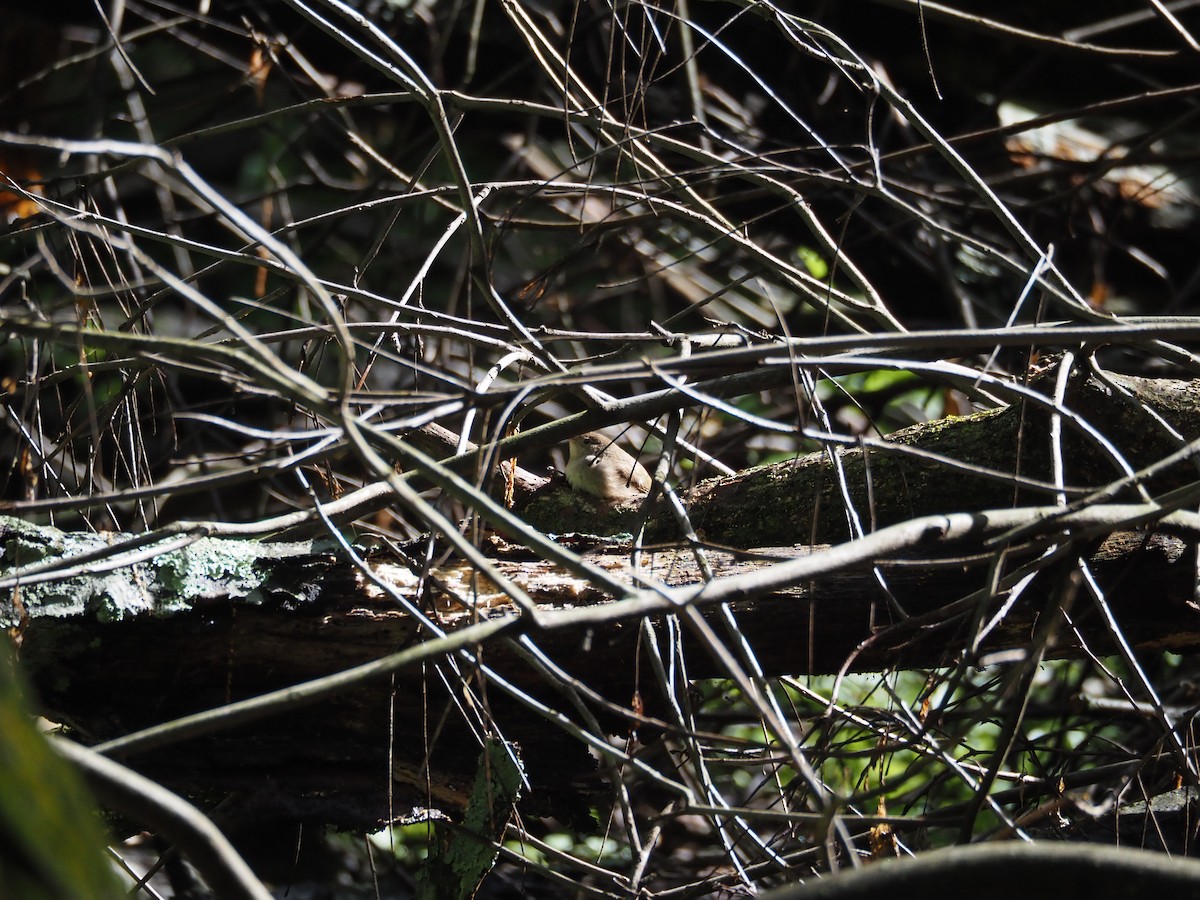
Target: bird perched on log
[[597, 466]]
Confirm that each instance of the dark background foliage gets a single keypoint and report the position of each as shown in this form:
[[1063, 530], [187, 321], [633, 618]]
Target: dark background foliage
[[648, 179]]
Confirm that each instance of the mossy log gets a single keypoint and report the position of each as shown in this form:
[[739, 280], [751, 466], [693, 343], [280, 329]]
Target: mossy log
[[113, 650], [989, 460]]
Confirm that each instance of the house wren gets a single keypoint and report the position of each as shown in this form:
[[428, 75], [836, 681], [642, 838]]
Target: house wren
[[597, 466]]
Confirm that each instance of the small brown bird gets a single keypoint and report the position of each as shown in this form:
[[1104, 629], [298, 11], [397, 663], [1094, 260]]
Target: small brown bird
[[597, 466]]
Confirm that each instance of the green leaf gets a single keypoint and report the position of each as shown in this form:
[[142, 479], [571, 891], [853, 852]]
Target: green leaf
[[51, 842], [460, 856], [814, 262]]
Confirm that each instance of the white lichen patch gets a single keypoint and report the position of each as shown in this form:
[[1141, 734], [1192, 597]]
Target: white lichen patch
[[115, 576], [209, 569]]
